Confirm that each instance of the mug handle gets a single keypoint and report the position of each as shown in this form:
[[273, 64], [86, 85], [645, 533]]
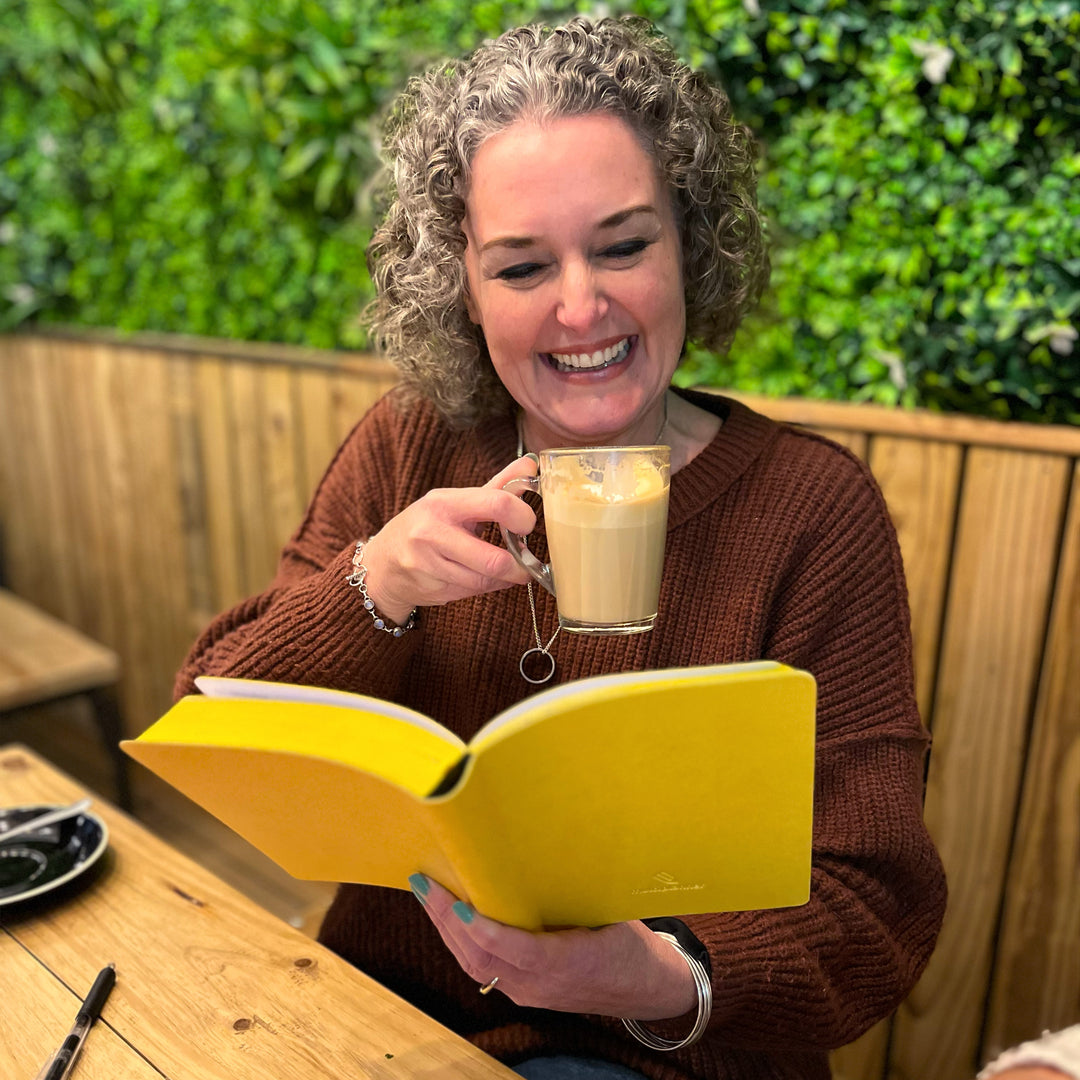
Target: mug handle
[[517, 545]]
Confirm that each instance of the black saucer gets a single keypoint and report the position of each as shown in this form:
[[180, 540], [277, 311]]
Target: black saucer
[[46, 859]]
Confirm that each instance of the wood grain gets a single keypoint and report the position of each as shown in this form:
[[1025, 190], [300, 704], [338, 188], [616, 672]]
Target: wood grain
[[1036, 980], [318, 437], [858, 442], [866, 1058], [38, 1013], [43, 658], [208, 984], [281, 459], [1003, 572], [916, 423], [920, 480]]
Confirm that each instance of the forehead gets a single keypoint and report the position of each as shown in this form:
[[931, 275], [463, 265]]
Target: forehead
[[581, 168]]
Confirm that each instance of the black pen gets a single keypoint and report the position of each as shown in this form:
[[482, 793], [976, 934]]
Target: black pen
[[59, 1065]]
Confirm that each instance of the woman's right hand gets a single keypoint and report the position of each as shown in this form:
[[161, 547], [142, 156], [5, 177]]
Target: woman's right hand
[[431, 552]]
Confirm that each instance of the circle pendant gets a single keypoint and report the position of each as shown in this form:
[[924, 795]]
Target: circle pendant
[[539, 678]]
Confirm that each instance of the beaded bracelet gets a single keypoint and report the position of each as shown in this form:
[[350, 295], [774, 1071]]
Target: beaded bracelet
[[357, 579], [702, 985]]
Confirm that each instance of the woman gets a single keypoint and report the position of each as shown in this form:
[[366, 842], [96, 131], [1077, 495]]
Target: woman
[[568, 206]]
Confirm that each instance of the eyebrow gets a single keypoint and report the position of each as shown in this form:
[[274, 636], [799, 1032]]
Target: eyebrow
[[610, 222]]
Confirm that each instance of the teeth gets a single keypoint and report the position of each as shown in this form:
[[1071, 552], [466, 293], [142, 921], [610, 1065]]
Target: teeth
[[588, 361]]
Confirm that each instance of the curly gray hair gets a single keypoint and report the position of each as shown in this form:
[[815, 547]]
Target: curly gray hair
[[621, 66]]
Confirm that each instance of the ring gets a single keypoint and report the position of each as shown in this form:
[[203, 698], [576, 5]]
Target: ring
[[488, 987]]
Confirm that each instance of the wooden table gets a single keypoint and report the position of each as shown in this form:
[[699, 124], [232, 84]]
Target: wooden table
[[209, 985]]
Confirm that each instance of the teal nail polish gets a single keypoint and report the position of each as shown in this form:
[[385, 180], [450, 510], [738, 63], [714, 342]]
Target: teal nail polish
[[420, 887], [463, 912]]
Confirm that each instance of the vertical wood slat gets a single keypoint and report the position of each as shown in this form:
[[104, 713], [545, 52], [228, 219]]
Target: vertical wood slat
[[93, 511], [217, 448], [858, 442], [46, 499], [161, 593], [22, 448], [281, 464], [920, 480], [315, 394], [198, 567], [1036, 981], [997, 608], [250, 501], [353, 397], [866, 1057]]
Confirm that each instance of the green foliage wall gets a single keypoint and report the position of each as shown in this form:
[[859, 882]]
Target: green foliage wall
[[205, 166], [202, 166], [922, 178]]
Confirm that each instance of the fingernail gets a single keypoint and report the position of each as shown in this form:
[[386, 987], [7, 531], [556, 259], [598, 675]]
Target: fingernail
[[419, 885], [463, 912]]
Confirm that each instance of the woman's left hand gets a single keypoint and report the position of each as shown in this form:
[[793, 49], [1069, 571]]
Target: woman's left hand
[[619, 970]]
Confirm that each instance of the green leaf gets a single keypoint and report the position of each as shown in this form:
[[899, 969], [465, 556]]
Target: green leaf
[[300, 157]]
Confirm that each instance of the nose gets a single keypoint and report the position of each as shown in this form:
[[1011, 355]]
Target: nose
[[582, 303]]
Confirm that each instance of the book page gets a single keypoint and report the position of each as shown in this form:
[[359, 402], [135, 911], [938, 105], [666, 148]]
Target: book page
[[217, 686], [543, 702]]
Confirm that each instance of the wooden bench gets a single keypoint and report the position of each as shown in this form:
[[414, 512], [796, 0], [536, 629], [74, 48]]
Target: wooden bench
[[43, 660]]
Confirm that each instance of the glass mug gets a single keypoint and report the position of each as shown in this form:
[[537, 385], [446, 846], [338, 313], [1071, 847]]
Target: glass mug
[[605, 512]]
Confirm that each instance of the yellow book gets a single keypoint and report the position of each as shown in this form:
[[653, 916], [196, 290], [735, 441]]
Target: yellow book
[[611, 798]]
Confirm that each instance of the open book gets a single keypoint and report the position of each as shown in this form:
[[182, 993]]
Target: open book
[[611, 798]]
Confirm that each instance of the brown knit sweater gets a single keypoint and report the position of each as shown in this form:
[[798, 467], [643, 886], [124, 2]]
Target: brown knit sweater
[[779, 547]]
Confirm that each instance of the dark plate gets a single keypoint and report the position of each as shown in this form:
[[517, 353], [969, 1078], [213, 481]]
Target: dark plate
[[45, 859]]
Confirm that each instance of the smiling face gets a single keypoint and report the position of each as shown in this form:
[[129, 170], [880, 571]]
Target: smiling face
[[575, 276]]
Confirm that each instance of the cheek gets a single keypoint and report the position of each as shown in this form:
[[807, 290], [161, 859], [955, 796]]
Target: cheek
[[513, 317]]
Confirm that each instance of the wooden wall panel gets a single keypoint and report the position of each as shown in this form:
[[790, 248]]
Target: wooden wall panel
[[353, 396], [1036, 981], [920, 480], [83, 389], [858, 442], [144, 487], [316, 393], [866, 1058], [218, 447], [1010, 517], [157, 623], [44, 498], [281, 459], [186, 420], [250, 494]]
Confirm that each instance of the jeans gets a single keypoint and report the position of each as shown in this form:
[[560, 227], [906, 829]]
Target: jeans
[[573, 1068]]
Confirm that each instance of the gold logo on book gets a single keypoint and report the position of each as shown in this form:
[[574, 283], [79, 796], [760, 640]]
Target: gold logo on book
[[666, 883]]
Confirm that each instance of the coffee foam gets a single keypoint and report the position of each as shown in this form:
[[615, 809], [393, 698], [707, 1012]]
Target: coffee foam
[[629, 479]]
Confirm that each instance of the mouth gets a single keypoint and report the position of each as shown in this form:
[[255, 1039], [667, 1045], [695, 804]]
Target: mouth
[[594, 361]]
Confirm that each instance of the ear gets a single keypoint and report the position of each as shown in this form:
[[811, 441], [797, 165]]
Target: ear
[[466, 292], [470, 306]]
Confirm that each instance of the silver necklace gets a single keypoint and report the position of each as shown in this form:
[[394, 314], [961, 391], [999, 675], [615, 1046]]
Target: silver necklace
[[540, 649]]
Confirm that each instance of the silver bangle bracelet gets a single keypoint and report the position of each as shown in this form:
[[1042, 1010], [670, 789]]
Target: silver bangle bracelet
[[358, 579], [702, 985]]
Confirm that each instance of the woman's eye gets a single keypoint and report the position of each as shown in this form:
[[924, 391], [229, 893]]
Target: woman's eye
[[625, 249], [519, 272]]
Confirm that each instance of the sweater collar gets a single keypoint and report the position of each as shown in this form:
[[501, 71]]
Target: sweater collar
[[743, 436]]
